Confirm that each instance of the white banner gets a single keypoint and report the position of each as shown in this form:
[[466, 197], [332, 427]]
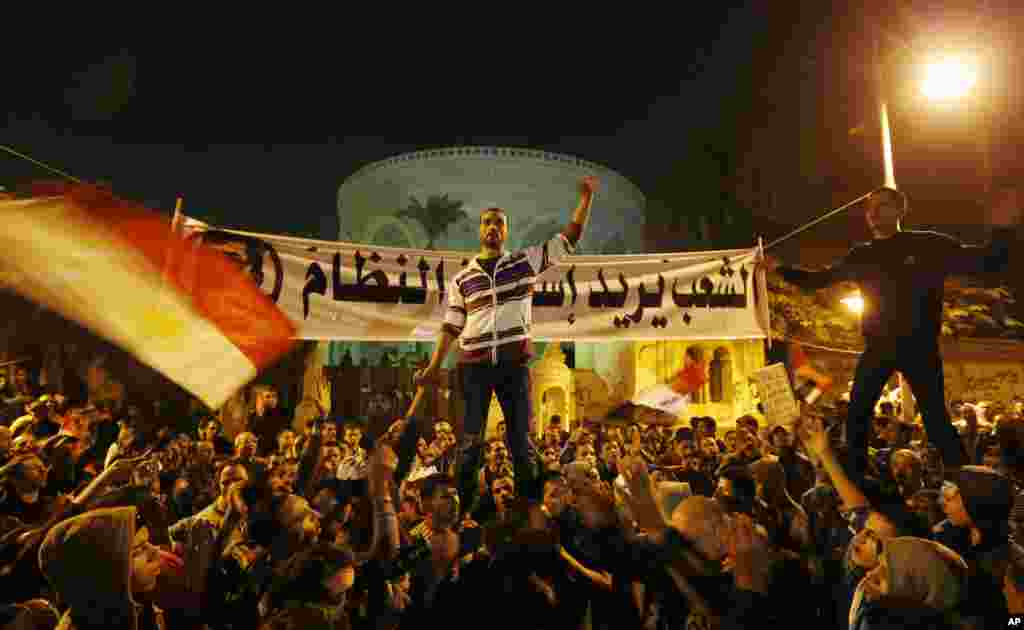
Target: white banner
[[345, 291]]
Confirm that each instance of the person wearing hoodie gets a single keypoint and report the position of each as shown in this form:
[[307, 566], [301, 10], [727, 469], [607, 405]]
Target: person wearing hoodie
[[97, 563], [977, 504], [917, 584], [874, 517], [20, 577]]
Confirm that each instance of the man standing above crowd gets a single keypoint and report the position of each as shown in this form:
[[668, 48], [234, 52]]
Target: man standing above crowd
[[489, 312], [901, 275]]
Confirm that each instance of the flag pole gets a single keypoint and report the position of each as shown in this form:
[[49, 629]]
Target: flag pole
[[176, 219], [175, 227]]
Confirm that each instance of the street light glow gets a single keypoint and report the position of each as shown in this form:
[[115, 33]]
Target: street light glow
[[948, 79], [854, 302]]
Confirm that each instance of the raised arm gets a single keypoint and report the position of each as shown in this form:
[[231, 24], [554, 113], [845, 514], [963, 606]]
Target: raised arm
[[990, 258], [384, 541], [812, 280], [119, 469], [574, 231], [1004, 217], [309, 460], [815, 438]]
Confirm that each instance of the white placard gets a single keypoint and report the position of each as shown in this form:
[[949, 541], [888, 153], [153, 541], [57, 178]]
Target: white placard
[[776, 395]]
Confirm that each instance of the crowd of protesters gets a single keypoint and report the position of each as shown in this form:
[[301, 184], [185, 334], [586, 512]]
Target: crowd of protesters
[[108, 519]]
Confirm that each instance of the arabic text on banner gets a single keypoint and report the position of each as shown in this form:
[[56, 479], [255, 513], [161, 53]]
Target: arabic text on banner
[[345, 291]]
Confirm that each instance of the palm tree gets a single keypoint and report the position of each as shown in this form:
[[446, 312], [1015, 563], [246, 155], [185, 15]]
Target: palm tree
[[435, 217]]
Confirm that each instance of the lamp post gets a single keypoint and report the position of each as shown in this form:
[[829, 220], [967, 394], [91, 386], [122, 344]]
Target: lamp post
[[947, 79]]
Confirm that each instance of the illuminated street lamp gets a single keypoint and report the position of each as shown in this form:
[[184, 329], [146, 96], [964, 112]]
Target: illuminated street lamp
[[854, 302], [948, 79]]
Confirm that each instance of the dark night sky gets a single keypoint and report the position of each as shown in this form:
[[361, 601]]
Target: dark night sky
[[260, 133]]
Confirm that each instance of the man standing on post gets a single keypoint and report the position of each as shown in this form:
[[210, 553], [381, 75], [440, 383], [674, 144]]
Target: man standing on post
[[901, 276], [489, 312]]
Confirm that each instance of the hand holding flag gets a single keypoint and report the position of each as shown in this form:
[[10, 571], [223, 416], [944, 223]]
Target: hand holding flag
[[663, 404], [811, 383]]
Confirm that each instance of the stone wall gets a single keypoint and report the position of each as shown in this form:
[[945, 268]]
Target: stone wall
[[973, 369]]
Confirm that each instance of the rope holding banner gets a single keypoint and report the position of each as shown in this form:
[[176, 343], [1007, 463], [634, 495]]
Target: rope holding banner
[[814, 222], [760, 271], [41, 164]]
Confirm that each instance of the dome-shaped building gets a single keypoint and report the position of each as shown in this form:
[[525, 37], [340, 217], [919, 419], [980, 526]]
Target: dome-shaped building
[[432, 200]]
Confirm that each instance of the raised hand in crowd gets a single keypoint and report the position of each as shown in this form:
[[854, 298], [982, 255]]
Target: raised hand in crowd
[[380, 474], [595, 503], [640, 496], [814, 434], [749, 555], [589, 185], [120, 471], [429, 375]]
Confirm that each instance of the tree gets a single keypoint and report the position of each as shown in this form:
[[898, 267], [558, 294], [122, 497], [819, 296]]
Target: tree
[[970, 310], [435, 217]]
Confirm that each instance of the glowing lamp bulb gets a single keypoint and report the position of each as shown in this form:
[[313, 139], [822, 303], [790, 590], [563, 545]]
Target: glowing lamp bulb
[[855, 303], [948, 79]]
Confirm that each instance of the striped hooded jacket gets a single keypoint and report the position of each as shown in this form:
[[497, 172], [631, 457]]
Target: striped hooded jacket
[[491, 315]]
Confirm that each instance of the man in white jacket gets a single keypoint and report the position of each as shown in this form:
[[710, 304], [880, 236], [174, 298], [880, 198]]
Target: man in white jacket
[[489, 312]]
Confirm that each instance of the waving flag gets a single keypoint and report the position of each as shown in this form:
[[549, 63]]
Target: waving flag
[[118, 269], [663, 403], [811, 383]]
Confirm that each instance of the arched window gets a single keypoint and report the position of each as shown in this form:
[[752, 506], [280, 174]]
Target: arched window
[[701, 395], [721, 376], [553, 403]]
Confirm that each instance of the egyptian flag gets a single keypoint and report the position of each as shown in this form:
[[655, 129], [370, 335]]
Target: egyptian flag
[[119, 270], [663, 404], [808, 383]]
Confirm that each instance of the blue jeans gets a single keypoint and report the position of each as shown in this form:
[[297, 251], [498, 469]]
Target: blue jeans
[[511, 383]]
